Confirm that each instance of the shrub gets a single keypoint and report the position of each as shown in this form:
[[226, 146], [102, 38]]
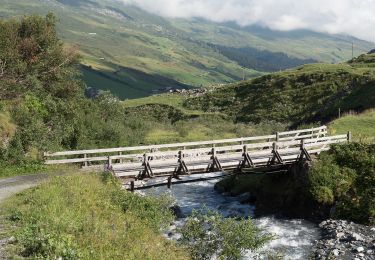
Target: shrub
[[346, 176], [208, 234]]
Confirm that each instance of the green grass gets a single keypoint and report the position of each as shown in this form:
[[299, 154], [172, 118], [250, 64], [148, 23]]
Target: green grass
[[173, 100], [30, 168], [361, 125], [85, 217]]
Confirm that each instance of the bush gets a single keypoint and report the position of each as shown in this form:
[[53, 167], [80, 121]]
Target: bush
[[208, 234], [346, 176]]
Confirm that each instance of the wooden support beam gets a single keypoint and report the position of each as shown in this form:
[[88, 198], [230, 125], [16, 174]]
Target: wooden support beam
[[304, 152], [276, 155], [132, 186]]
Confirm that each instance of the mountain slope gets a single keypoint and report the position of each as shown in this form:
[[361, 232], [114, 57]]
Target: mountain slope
[[125, 49], [306, 94]]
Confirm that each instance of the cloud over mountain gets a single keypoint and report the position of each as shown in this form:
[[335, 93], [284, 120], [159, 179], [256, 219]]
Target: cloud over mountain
[[354, 17]]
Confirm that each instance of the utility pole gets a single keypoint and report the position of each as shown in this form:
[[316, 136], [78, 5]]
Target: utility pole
[[352, 50]]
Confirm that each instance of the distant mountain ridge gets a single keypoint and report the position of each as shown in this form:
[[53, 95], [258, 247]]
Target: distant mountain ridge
[[122, 43]]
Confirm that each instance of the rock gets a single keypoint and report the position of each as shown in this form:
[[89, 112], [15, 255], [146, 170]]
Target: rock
[[12, 240], [172, 227], [360, 249], [177, 212], [340, 235], [356, 237], [345, 240]]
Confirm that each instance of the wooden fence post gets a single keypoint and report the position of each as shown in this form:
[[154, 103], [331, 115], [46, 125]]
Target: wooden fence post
[[350, 137], [277, 136]]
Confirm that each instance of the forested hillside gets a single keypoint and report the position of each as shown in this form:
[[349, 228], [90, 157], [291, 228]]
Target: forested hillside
[[134, 53]]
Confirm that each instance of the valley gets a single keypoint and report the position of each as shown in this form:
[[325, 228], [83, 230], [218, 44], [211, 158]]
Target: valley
[[136, 54], [174, 80]]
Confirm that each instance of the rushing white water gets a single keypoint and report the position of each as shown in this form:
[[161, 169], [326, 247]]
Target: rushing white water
[[294, 239]]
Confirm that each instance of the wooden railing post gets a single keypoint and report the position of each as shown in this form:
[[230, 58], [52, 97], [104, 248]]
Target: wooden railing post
[[109, 164], [85, 163], [121, 160], [277, 136], [350, 137]]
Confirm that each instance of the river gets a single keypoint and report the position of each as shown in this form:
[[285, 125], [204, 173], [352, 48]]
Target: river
[[294, 237]]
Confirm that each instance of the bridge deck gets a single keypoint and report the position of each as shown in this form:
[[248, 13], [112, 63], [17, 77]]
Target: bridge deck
[[178, 159]]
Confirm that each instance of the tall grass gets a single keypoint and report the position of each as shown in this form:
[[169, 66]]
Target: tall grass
[[84, 217], [361, 125]]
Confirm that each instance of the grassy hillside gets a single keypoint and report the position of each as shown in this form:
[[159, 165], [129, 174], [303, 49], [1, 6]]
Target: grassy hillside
[[361, 125], [127, 49], [309, 93]]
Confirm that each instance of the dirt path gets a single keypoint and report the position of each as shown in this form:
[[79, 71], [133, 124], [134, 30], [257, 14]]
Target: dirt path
[[9, 187]]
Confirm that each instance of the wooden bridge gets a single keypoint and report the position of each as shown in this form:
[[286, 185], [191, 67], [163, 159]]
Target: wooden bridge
[[178, 159]]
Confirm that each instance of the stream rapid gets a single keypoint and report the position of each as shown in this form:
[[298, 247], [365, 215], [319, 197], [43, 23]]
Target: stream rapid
[[294, 238]]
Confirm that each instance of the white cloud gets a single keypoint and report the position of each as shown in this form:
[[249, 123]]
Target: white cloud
[[354, 17]]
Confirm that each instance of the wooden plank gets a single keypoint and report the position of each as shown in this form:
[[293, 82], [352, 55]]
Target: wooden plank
[[77, 160], [149, 147], [302, 130]]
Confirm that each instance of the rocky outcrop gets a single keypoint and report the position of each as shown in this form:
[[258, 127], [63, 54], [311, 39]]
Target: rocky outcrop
[[345, 240]]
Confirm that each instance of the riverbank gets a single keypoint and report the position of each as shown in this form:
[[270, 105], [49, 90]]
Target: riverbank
[[345, 240], [282, 194]]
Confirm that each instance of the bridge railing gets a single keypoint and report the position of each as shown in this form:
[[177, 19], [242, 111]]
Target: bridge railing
[[136, 154], [200, 159]]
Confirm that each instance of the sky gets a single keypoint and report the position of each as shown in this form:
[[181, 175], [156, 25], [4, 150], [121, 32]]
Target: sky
[[352, 17]]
